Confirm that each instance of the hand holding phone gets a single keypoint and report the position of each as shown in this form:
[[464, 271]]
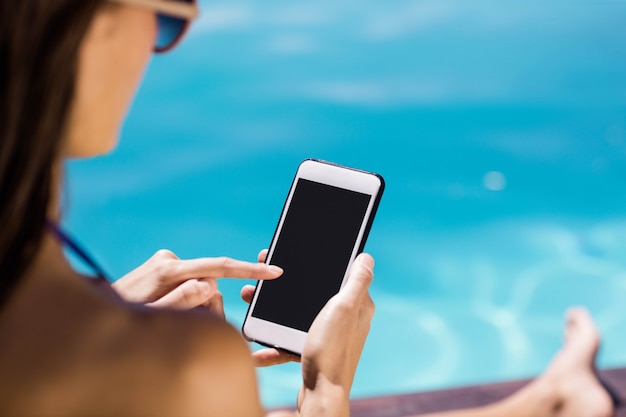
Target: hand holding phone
[[335, 342], [324, 225]]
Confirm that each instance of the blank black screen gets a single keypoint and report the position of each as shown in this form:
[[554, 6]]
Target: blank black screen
[[314, 248]]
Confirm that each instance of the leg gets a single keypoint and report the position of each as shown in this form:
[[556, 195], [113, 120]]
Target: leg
[[569, 387]]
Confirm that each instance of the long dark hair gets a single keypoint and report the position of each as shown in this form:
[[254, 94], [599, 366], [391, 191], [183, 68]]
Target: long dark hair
[[39, 46]]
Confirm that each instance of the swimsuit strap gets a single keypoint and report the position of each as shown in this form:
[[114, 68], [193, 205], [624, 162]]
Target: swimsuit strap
[[66, 240]]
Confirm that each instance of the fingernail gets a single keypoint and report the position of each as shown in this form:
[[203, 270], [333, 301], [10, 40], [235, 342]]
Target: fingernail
[[275, 269]]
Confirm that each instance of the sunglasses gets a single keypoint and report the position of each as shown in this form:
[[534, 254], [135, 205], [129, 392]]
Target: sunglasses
[[173, 19]]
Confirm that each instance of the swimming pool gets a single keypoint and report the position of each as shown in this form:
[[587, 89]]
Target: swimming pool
[[501, 132]]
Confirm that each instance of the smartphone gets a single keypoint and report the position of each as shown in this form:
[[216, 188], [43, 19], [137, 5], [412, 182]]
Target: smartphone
[[323, 227]]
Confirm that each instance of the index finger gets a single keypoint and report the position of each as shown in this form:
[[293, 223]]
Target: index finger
[[225, 267], [359, 279]]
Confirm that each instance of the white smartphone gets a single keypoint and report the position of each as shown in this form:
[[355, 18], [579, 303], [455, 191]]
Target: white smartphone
[[323, 227]]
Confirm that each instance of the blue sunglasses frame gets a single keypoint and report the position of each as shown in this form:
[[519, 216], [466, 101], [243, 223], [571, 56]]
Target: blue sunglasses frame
[[173, 19], [171, 29]]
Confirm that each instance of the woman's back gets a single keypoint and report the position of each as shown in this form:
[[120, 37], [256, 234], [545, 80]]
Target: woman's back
[[70, 349]]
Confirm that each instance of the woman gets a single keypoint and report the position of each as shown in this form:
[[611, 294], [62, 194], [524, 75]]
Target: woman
[[68, 348], [69, 69]]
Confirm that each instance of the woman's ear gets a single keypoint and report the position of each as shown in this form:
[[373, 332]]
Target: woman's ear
[[103, 24]]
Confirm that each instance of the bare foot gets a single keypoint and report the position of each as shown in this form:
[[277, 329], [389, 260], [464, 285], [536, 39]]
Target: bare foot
[[572, 372], [570, 386]]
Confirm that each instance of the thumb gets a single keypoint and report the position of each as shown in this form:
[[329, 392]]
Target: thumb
[[359, 279]]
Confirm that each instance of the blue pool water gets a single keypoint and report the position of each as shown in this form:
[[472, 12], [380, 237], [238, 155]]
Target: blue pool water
[[500, 128]]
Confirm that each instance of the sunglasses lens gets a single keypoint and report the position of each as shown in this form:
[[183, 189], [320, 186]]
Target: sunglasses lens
[[170, 30]]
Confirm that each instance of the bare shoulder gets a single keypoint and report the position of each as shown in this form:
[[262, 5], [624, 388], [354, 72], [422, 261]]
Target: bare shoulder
[[107, 358], [206, 357]]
